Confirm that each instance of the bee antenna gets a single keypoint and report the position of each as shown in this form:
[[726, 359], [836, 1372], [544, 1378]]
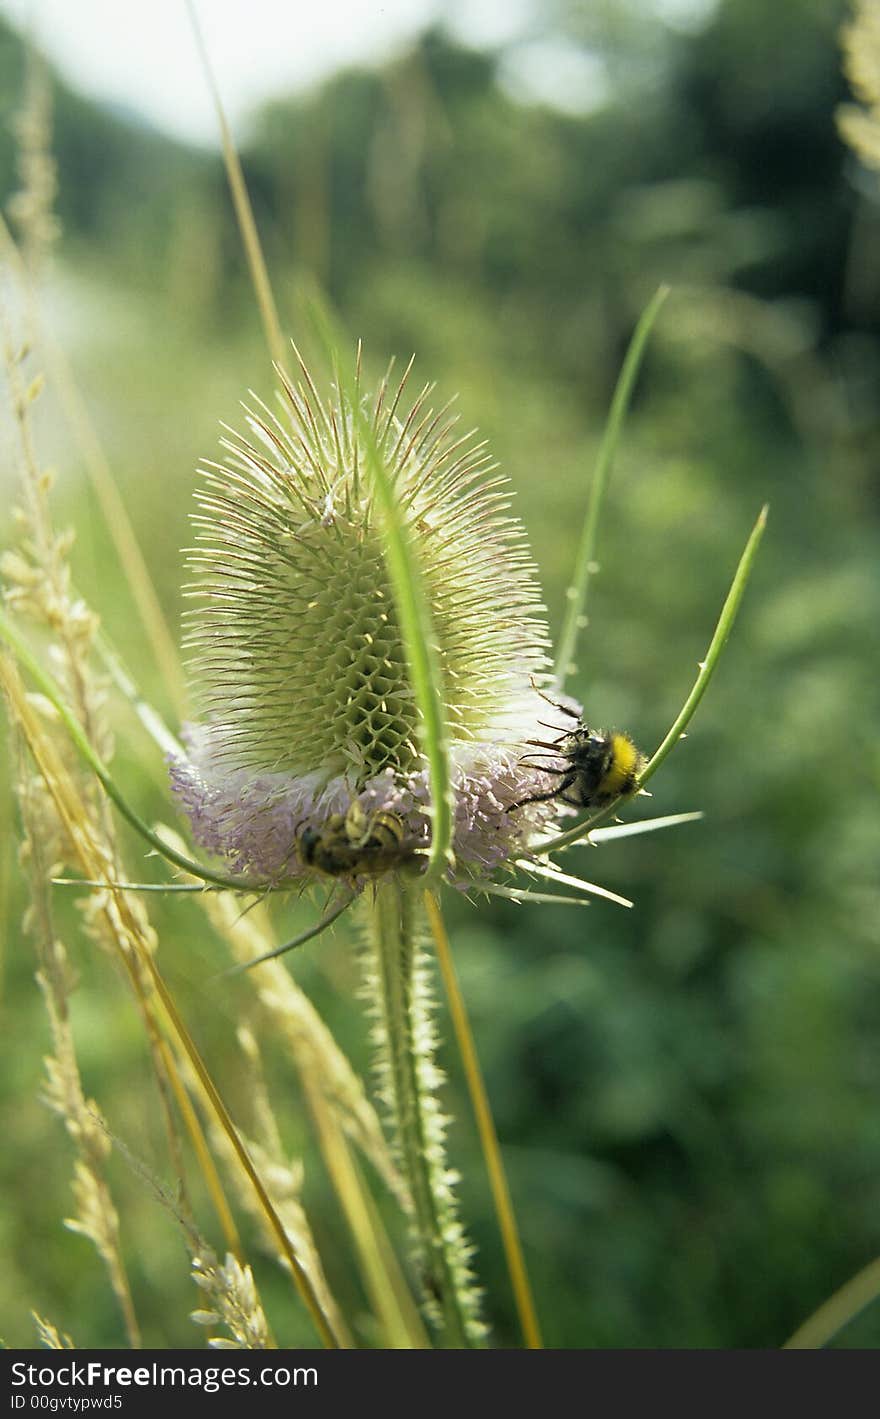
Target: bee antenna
[[555, 703]]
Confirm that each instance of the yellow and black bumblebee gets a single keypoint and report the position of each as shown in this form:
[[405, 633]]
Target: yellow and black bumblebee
[[598, 766], [354, 844]]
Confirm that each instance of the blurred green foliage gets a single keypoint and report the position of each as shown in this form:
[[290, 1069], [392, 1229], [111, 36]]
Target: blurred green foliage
[[687, 1093]]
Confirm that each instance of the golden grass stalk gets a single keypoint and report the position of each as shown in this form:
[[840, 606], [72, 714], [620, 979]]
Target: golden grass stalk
[[50, 1337], [513, 1252], [96, 1217], [32, 206], [338, 1106], [232, 1298], [840, 1308], [135, 951], [282, 1178], [385, 1284], [244, 214], [859, 124]]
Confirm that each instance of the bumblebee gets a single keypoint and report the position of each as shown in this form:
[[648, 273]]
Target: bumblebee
[[354, 845], [599, 766]]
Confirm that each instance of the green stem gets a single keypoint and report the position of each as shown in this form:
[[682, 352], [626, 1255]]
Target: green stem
[[399, 985]]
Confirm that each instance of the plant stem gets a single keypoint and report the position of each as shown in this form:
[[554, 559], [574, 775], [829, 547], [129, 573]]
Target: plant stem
[[399, 987], [516, 1265], [838, 1310]]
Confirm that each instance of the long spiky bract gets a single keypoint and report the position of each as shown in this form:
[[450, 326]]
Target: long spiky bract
[[706, 670], [327, 919], [51, 690]]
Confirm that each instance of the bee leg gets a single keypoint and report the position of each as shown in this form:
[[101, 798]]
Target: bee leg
[[545, 744], [567, 782], [572, 802], [536, 798]]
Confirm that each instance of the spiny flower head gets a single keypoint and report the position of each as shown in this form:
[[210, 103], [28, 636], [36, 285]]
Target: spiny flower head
[[306, 757]]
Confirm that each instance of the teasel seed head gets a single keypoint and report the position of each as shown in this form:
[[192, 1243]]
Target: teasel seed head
[[307, 712]]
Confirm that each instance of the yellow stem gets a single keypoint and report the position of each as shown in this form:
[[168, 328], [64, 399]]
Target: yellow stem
[[203, 1153], [516, 1266], [385, 1286], [838, 1310]]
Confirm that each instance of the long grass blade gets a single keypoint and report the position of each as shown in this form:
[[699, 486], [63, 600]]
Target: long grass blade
[[585, 565], [206, 1162], [411, 604], [419, 641], [244, 212]]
